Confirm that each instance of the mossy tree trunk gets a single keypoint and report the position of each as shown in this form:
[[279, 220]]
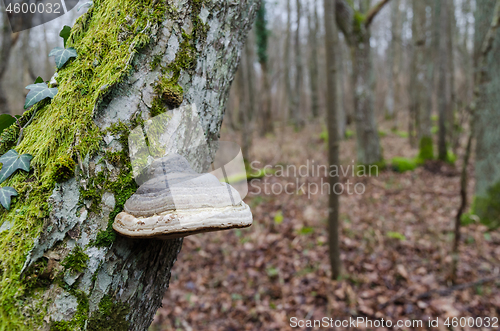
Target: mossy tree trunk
[[487, 118], [355, 25], [62, 265]]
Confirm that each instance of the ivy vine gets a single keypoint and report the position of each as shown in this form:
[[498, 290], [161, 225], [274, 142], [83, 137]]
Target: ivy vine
[[11, 161]]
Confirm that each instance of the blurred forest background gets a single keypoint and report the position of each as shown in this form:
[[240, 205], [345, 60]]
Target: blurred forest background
[[417, 87]]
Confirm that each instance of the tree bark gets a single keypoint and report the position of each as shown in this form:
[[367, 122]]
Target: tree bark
[[298, 121], [261, 33], [288, 62], [8, 41], [487, 117], [62, 265], [443, 85], [333, 140], [356, 31], [313, 62]]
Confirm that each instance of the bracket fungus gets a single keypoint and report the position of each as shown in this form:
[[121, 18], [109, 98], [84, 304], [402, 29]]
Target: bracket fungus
[[175, 201]]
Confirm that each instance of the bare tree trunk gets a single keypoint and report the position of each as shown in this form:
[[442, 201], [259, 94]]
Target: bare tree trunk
[[288, 63], [450, 32], [389, 98], [297, 119], [63, 266], [357, 35], [443, 85], [313, 63], [417, 76], [9, 39], [340, 74], [248, 109], [261, 34], [333, 140]]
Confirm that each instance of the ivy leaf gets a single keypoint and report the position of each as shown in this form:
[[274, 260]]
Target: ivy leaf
[[5, 121], [65, 32], [6, 193], [11, 161], [62, 55], [38, 80], [38, 92]]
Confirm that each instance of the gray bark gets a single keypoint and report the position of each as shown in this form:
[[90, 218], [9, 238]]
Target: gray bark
[[357, 35], [418, 81], [313, 62], [487, 116], [7, 43], [443, 85], [132, 274], [297, 119]]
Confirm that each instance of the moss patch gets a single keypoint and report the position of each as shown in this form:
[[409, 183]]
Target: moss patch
[[76, 260], [488, 207], [426, 149], [64, 168], [111, 316], [402, 164]]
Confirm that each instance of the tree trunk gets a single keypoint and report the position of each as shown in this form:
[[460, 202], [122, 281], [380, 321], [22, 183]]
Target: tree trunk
[[247, 111], [443, 85], [62, 265], [356, 31], [7, 43], [261, 33], [341, 111], [417, 76], [487, 121], [333, 140], [297, 119], [313, 62], [288, 62]]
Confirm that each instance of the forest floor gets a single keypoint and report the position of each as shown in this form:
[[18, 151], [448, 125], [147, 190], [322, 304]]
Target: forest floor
[[396, 239]]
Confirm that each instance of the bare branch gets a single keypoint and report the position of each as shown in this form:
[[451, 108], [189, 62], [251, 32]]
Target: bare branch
[[374, 11]]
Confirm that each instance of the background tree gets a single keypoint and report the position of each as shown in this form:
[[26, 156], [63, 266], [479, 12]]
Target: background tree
[[487, 119], [63, 267], [333, 138], [355, 25]]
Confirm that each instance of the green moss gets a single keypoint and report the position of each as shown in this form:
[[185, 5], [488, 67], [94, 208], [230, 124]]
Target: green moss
[[402, 164], [156, 62], [487, 207], [426, 149], [64, 169], [76, 260], [60, 326], [65, 126], [450, 157], [111, 316]]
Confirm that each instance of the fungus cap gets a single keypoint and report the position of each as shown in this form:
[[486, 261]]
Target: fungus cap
[[175, 201]]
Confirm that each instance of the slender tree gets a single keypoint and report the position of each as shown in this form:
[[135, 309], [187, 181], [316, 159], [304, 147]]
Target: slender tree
[[313, 54], [261, 34], [297, 119], [443, 90], [333, 140], [62, 265]]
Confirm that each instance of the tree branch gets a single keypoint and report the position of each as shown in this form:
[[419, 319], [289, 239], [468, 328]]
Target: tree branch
[[344, 15], [374, 11]]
